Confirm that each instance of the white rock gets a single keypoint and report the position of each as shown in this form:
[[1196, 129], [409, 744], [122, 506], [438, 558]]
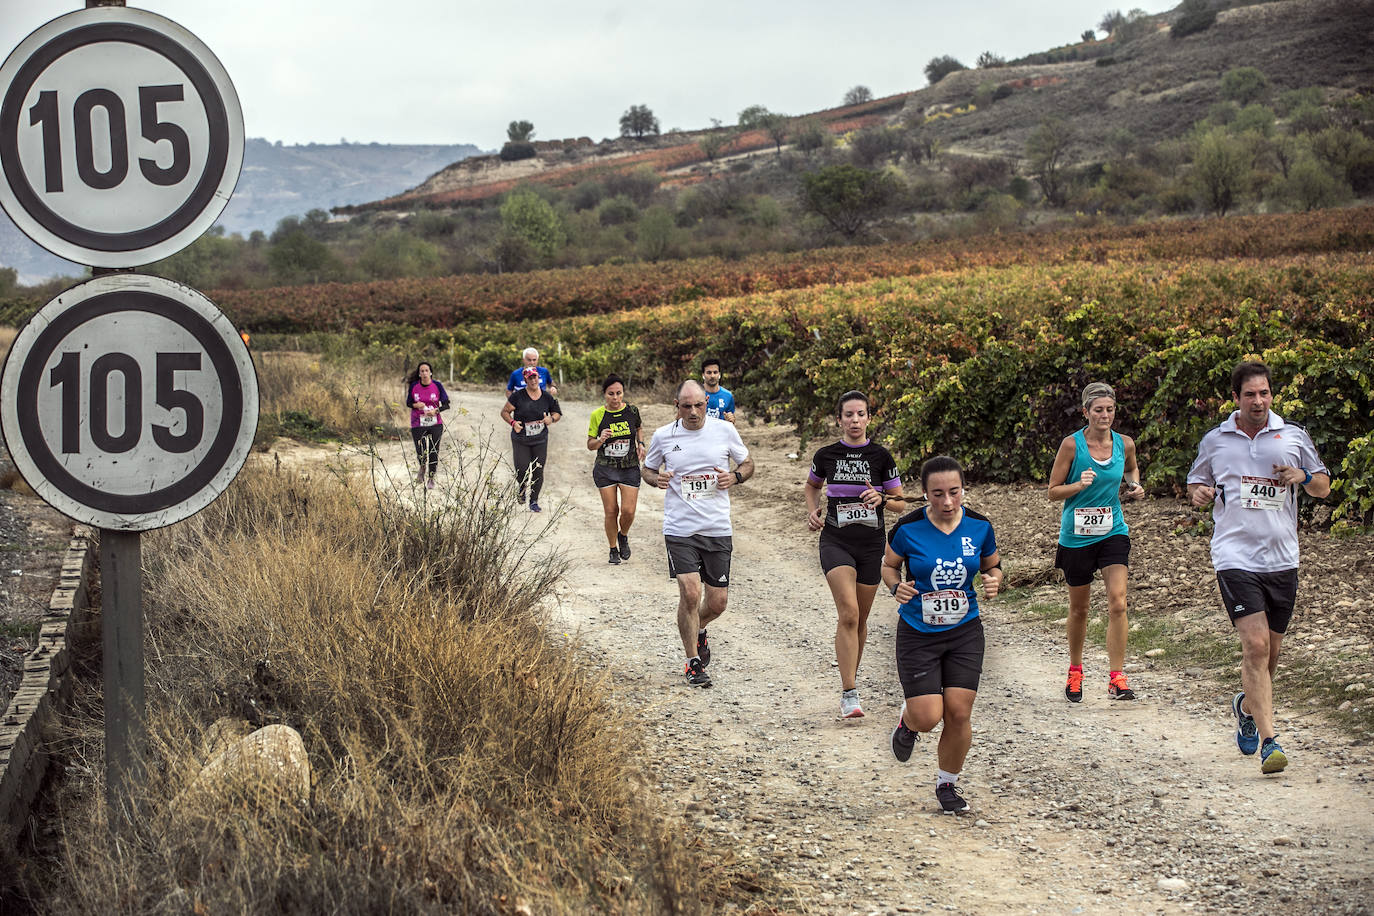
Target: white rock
[[271, 761], [1172, 884], [1154, 653]]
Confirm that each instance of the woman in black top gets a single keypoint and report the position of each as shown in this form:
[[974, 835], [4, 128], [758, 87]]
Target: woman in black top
[[529, 411]]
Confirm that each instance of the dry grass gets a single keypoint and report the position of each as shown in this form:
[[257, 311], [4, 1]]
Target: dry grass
[[465, 761], [305, 398]]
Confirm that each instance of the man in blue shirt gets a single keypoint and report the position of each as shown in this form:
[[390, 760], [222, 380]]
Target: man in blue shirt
[[720, 403], [530, 358]]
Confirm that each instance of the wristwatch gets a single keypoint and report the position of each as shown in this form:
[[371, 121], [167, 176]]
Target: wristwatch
[[739, 478], [894, 589]]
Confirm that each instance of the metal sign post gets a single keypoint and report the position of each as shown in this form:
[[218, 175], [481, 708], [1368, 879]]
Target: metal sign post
[[129, 402]]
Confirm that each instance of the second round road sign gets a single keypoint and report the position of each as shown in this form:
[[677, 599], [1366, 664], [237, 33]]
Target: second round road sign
[[129, 402], [121, 137]]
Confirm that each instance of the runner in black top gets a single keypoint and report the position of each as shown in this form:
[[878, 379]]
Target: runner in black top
[[859, 479], [529, 411], [614, 434]]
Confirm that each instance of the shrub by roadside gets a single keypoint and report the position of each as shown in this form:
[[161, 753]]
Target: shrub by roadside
[[465, 759]]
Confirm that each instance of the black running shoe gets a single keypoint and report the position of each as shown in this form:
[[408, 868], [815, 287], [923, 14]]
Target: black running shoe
[[950, 799], [703, 649], [614, 558], [903, 740], [624, 543], [696, 674]]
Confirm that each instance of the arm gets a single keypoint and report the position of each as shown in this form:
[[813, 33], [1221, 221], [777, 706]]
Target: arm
[[892, 577], [815, 515], [443, 396], [410, 396], [555, 416], [991, 568], [1131, 471], [653, 460], [1063, 462], [1318, 487], [508, 414], [725, 480]]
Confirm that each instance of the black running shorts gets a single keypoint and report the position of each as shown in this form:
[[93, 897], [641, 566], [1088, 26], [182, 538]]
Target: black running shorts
[[1244, 593], [605, 476], [864, 554], [929, 662], [1079, 563], [707, 556]]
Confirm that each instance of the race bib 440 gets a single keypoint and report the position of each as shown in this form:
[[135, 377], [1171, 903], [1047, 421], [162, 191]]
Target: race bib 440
[[1265, 493]]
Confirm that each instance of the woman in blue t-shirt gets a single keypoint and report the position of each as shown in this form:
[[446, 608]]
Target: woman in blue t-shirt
[[1087, 475], [943, 546]]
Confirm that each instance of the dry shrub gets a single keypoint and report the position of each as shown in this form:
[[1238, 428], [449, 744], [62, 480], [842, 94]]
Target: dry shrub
[[303, 397], [465, 759]]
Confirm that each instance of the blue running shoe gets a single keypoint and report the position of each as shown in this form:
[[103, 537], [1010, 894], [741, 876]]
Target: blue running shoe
[[1272, 757], [1247, 736]]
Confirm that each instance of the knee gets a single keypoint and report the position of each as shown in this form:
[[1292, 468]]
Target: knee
[[957, 716], [848, 618], [921, 718], [690, 595], [1116, 606], [1255, 646]]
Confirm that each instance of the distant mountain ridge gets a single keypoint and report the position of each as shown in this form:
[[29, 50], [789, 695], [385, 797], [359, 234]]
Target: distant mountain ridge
[[280, 180]]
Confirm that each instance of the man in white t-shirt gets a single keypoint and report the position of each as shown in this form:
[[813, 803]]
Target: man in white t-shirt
[[690, 460], [1253, 466]]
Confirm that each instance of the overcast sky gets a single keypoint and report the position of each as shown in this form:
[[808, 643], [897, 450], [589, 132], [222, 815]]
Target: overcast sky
[[449, 71]]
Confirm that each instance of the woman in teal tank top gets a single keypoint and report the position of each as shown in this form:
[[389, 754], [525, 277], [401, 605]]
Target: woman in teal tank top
[[1089, 471]]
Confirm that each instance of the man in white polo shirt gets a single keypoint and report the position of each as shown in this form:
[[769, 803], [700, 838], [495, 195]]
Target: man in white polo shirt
[[690, 459], [1252, 465]]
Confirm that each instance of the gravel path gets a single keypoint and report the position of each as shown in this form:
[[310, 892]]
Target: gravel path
[[1144, 807]]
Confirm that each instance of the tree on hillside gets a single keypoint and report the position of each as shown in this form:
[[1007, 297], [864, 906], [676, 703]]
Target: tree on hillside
[[1193, 16], [716, 141], [847, 197], [987, 60], [1088, 35], [940, 67], [752, 117], [776, 125], [1046, 149], [857, 95], [638, 122], [528, 216], [1110, 21], [809, 135], [519, 131], [1221, 169], [1135, 24], [1244, 85]]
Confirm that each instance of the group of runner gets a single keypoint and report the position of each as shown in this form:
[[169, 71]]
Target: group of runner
[[1251, 467]]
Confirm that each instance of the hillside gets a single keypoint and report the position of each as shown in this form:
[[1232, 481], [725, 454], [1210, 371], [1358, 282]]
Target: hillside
[[1153, 87], [278, 181]]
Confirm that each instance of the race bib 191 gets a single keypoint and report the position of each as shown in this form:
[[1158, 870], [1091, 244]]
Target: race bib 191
[[855, 514], [944, 608], [1093, 520], [616, 448], [1262, 493], [698, 486]]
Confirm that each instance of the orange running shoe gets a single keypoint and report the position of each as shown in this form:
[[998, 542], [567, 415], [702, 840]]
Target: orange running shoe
[[1074, 688], [1117, 688]]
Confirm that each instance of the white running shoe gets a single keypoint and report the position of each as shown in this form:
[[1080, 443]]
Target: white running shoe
[[849, 705]]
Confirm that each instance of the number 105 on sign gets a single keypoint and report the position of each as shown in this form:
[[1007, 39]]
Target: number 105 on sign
[[129, 402]]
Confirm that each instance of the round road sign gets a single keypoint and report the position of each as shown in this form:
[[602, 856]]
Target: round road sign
[[121, 137], [129, 402]]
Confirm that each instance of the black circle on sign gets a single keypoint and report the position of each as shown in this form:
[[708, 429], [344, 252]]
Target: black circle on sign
[[226, 371], [215, 111]]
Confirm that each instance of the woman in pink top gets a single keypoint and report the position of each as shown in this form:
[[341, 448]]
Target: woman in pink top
[[426, 398]]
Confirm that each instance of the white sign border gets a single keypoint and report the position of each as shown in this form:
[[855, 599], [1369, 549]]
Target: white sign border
[[18, 357], [224, 187]]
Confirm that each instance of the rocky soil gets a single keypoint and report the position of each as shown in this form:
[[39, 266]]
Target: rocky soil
[[1098, 807]]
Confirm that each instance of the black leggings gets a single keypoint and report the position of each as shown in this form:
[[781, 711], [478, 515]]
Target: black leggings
[[427, 445], [530, 459]]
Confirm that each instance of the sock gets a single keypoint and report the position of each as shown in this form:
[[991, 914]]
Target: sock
[[694, 658], [852, 691], [1112, 674], [942, 777], [701, 632], [1075, 667]]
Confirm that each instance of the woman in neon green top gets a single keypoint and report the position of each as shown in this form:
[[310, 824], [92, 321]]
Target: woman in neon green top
[[1089, 471], [614, 434]]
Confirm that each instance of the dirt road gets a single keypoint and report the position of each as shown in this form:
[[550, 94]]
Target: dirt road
[[1099, 807]]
